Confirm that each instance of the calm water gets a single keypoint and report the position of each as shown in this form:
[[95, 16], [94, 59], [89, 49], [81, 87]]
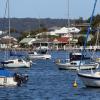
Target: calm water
[[46, 82]]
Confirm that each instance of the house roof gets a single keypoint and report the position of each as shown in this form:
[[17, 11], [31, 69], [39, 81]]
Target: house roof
[[27, 40], [60, 40], [7, 41]]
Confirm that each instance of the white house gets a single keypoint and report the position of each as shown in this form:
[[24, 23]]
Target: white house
[[7, 41], [64, 31], [27, 41]]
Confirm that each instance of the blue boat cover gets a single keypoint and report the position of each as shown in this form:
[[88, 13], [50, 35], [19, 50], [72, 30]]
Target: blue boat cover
[[6, 73]]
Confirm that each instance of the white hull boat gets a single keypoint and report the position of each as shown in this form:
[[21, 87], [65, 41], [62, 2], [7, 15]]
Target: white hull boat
[[7, 81], [16, 63], [91, 79], [74, 65], [8, 78], [35, 55]]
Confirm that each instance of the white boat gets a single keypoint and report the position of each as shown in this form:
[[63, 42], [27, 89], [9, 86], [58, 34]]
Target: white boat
[[91, 79], [35, 55], [16, 63], [8, 78], [74, 61], [74, 65]]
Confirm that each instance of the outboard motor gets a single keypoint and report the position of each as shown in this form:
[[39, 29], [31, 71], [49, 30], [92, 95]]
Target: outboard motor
[[24, 78], [20, 78]]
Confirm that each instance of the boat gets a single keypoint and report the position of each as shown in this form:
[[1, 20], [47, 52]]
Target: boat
[[74, 58], [13, 62], [90, 79], [16, 63], [74, 61], [8, 78], [40, 54], [74, 65]]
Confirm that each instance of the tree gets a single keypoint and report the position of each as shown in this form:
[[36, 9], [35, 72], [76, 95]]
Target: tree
[[81, 40]]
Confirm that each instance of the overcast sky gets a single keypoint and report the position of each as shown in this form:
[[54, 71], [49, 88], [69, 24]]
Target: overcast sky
[[50, 8]]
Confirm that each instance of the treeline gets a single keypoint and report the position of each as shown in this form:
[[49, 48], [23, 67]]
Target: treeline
[[26, 24]]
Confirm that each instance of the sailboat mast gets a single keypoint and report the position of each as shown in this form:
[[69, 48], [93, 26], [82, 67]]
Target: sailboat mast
[[9, 18], [68, 22], [68, 14]]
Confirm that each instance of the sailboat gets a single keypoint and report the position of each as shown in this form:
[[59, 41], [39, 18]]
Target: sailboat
[[74, 59], [90, 79], [15, 62], [9, 78]]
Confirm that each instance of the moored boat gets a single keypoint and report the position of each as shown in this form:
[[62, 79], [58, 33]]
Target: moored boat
[[39, 55], [16, 63], [74, 65], [91, 79], [8, 78]]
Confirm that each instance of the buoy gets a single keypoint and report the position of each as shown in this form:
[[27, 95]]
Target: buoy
[[75, 84]]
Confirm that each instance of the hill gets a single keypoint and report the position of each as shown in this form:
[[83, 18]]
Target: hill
[[27, 24]]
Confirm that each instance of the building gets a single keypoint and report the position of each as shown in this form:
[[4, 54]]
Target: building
[[27, 41], [7, 42], [64, 31]]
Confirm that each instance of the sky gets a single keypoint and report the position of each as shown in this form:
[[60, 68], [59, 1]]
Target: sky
[[50, 8]]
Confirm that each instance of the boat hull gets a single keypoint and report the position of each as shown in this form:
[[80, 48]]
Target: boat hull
[[15, 63], [7, 81], [40, 56], [76, 67], [90, 80]]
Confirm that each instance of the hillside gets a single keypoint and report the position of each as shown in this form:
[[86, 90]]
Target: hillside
[[26, 24]]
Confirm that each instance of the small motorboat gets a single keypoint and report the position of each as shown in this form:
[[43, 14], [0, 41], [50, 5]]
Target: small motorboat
[[16, 63], [8, 78], [39, 55]]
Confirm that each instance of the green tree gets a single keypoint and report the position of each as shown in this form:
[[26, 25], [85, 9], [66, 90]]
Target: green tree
[[81, 40]]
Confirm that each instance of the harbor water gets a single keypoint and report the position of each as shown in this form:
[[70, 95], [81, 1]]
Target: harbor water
[[47, 82]]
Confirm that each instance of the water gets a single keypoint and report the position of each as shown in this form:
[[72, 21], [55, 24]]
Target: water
[[46, 82]]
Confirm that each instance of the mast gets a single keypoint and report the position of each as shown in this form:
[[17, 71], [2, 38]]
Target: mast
[[68, 23], [9, 20], [68, 15]]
